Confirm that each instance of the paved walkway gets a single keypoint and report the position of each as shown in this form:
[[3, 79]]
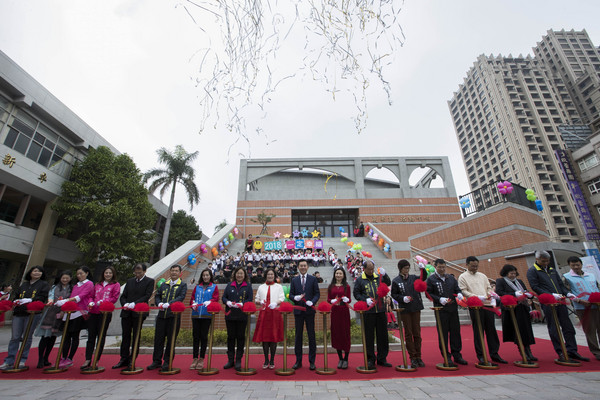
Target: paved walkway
[[520, 387]]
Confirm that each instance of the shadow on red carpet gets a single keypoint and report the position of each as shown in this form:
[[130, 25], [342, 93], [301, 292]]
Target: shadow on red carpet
[[431, 355]]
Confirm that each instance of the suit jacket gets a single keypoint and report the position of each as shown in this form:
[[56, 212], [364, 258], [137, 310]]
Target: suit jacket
[[136, 292], [311, 292]]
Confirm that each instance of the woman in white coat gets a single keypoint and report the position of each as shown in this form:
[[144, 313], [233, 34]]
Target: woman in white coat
[[269, 327]]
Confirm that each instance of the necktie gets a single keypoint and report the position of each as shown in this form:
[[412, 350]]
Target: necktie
[[303, 281]]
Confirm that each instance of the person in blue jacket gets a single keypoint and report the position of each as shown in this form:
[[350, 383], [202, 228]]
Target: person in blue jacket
[[204, 292]]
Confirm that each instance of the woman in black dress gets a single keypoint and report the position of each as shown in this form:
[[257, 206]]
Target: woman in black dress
[[509, 284]]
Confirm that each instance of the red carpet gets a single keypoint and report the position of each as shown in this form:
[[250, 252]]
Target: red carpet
[[431, 355]]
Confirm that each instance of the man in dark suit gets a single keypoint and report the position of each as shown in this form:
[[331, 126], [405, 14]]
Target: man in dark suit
[[137, 290], [304, 290]]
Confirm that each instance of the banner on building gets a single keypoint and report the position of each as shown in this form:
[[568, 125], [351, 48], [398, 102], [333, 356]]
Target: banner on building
[[275, 245], [589, 227]]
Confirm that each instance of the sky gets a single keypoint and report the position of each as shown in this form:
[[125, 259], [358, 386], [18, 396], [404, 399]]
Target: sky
[[128, 68]]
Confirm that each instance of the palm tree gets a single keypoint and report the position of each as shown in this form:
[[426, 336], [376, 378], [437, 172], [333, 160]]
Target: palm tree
[[221, 225], [178, 170]]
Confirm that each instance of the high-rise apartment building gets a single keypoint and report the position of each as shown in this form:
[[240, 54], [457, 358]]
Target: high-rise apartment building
[[512, 115]]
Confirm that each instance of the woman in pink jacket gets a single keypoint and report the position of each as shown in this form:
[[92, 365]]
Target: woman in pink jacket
[[82, 294], [107, 290]]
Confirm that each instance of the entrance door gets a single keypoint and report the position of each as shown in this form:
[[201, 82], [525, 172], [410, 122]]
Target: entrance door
[[328, 221]]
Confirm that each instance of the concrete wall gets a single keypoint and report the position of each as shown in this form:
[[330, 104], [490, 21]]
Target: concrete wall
[[492, 236]]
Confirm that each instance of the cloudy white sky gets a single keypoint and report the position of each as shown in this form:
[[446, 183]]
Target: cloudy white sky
[[124, 67]]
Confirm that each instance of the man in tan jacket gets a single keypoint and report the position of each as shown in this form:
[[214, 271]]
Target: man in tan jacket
[[474, 283]]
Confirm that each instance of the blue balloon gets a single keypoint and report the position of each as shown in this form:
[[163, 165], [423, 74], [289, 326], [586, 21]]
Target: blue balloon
[[538, 205], [225, 242], [341, 229], [190, 257], [193, 261]]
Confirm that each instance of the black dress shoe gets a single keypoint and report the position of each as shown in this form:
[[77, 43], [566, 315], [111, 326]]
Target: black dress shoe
[[498, 359], [371, 366], [152, 366], [121, 364], [238, 365], [460, 360], [421, 363], [228, 365], [384, 363], [340, 363], [297, 365], [312, 367], [345, 364], [414, 363], [451, 364], [577, 356]]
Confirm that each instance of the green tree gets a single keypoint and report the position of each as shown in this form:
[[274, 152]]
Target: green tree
[[105, 204], [264, 219], [221, 225], [178, 170], [183, 228]]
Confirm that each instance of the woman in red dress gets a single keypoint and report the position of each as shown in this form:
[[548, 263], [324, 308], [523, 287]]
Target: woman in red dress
[[338, 294], [269, 326]]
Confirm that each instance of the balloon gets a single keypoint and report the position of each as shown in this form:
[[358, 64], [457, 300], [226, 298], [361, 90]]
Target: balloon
[[381, 242], [204, 250], [464, 202], [358, 246], [236, 231], [190, 257], [505, 187], [286, 293], [420, 260], [538, 204], [214, 251], [430, 269], [193, 261], [304, 232], [371, 232], [202, 246], [350, 244], [345, 234], [225, 242], [277, 235], [531, 197], [160, 282], [231, 237], [342, 229], [529, 191], [367, 228], [344, 239], [375, 236], [386, 249]]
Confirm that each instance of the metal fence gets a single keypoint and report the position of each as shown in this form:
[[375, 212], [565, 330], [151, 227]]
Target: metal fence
[[489, 196]]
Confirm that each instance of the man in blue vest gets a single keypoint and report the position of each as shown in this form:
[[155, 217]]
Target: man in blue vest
[[582, 283]]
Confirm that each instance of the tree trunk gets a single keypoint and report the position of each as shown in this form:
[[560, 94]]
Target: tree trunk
[[165, 238]]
